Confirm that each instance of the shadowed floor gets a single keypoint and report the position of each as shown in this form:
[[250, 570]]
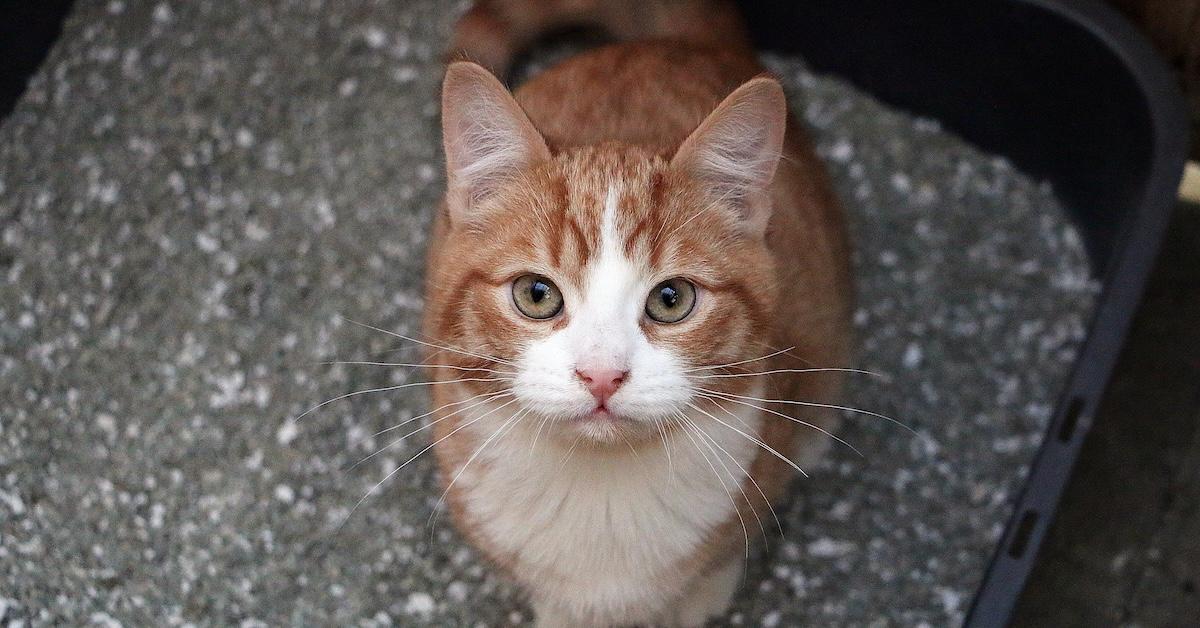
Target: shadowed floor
[[1125, 549]]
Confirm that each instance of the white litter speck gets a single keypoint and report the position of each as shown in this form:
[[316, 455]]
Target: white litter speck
[[162, 13], [841, 151], [771, 619], [829, 548], [175, 182], [229, 387], [107, 423], [285, 493], [157, 514], [842, 510], [102, 619], [256, 232], [244, 137], [325, 216], [14, 502], [912, 355], [404, 74], [951, 600], [457, 591], [927, 125], [419, 604], [348, 87], [375, 37], [287, 433], [207, 243]]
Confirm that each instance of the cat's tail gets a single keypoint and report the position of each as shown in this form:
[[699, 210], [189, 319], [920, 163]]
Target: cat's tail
[[493, 32]]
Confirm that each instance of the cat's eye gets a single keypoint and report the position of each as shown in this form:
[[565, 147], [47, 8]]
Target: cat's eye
[[536, 297], [671, 301]]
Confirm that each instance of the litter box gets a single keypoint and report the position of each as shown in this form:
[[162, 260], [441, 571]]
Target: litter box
[[1066, 90]]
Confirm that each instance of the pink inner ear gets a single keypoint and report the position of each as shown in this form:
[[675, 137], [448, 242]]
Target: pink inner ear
[[487, 137], [736, 149]]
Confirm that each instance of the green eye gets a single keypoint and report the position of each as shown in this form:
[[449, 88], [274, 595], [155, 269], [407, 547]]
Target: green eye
[[536, 297], [671, 301]]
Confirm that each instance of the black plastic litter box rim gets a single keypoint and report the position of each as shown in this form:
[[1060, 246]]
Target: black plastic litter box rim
[[1112, 142], [1133, 259]]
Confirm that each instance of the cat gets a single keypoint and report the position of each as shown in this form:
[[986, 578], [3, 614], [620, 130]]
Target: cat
[[637, 261]]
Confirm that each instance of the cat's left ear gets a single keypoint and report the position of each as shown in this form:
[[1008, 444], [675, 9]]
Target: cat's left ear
[[735, 151], [487, 136]]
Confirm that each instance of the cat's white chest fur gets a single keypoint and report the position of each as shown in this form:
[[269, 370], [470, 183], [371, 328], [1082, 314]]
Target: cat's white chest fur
[[603, 533]]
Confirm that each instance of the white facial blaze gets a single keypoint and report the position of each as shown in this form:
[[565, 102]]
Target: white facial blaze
[[605, 333], [605, 329]]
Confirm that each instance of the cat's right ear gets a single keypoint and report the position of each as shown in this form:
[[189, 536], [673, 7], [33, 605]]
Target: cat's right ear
[[735, 151], [487, 137]]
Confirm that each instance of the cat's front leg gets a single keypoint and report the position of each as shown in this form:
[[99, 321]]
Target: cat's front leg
[[548, 615], [709, 597]]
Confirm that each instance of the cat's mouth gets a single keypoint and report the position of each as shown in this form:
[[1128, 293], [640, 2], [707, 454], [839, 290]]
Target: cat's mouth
[[602, 426], [601, 413]]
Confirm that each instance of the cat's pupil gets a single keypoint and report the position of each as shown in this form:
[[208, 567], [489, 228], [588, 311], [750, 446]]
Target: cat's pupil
[[669, 296], [538, 291]]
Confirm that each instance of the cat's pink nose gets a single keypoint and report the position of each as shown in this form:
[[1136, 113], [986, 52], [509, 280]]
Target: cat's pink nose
[[602, 383]]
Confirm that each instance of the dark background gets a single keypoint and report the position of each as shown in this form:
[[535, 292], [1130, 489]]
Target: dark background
[[27, 29]]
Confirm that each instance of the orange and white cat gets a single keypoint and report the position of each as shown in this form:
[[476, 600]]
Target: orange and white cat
[[626, 246]]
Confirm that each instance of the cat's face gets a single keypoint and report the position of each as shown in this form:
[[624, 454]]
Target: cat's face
[[601, 284], [605, 284]]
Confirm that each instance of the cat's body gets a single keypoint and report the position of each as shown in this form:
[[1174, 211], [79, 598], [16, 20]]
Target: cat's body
[[625, 513]]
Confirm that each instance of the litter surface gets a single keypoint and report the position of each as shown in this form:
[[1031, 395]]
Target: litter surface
[[193, 193]]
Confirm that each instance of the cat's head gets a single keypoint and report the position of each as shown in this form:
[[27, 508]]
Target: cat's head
[[601, 283]]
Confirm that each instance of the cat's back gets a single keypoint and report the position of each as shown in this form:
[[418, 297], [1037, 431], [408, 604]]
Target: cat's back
[[648, 93]]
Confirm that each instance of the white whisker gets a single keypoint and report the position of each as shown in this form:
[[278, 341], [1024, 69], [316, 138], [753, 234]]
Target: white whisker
[[414, 365], [512, 420], [662, 433], [813, 404], [778, 371], [423, 427], [402, 465], [711, 443], [490, 358], [688, 426], [389, 388], [490, 397], [762, 444], [747, 361], [537, 435], [567, 456], [790, 418], [747, 474]]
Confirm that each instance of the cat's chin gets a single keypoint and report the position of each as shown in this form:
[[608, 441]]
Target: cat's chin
[[605, 427]]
